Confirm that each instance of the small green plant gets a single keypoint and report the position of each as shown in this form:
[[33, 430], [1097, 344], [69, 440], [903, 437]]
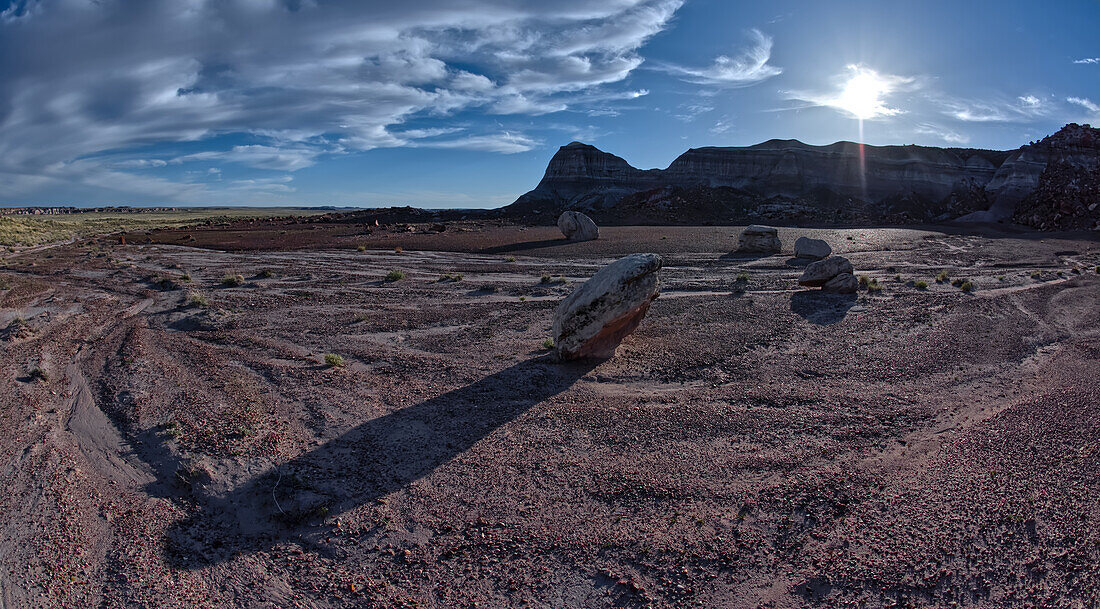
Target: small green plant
[[544, 279], [333, 360], [445, 277], [510, 259], [548, 344], [874, 286], [172, 428], [742, 276], [360, 248], [897, 278], [230, 280], [185, 276], [547, 279], [522, 298], [39, 373], [1000, 277], [920, 285], [966, 286], [1036, 274], [395, 276], [864, 281], [398, 249], [941, 277], [198, 300], [265, 274]]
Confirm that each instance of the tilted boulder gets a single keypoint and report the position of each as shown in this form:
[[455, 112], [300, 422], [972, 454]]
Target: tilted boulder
[[814, 249], [577, 226], [594, 319], [819, 273], [756, 238]]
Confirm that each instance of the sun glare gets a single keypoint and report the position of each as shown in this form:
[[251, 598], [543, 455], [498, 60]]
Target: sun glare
[[863, 94]]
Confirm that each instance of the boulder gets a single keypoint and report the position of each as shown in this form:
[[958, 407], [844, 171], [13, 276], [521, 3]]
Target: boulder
[[756, 238], [844, 283], [577, 226], [594, 319], [819, 273], [815, 249]]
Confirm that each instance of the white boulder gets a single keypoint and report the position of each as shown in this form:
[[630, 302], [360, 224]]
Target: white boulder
[[594, 319], [815, 249], [577, 226], [757, 238]]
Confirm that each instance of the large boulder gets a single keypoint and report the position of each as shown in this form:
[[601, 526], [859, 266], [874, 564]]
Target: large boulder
[[594, 319], [819, 273], [814, 249], [844, 283], [577, 226], [759, 239]]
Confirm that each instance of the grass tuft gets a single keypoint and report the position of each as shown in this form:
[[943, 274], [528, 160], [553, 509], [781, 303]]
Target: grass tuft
[[333, 360], [920, 285], [231, 281], [548, 344], [395, 276]]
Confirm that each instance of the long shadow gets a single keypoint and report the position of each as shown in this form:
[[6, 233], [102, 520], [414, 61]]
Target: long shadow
[[376, 458], [822, 308], [525, 245]]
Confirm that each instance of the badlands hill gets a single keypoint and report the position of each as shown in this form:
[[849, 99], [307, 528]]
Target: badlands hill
[[787, 180]]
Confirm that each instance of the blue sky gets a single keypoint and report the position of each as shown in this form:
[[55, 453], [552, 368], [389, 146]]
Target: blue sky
[[460, 103]]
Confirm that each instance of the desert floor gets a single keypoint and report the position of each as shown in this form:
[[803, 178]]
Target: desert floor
[[169, 441]]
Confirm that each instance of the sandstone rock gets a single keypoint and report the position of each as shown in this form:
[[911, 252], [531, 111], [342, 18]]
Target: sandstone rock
[[593, 320], [756, 238], [577, 226], [815, 249], [844, 283], [819, 273]]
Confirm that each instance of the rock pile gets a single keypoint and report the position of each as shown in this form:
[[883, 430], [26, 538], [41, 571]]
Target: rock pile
[[831, 275], [594, 319], [759, 239], [577, 226], [814, 249]]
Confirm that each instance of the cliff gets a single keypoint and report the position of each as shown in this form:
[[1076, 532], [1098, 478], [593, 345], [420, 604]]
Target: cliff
[[787, 180]]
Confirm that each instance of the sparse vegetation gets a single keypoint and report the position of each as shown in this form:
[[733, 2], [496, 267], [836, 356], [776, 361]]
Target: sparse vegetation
[[39, 373], [445, 277], [361, 248], [1000, 277], [874, 286], [920, 285], [333, 360], [398, 249], [548, 344], [546, 279], [1036, 274], [522, 298], [510, 259], [742, 276], [361, 317], [265, 274], [942, 277], [231, 280], [966, 286], [394, 276], [488, 287], [198, 300], [864, 281]]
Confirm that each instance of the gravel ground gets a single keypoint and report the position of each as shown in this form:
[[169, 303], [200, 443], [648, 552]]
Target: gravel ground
[[171, 438]]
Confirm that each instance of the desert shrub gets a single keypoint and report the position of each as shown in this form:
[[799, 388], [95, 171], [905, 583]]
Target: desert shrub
[[450, 277], [966, 286], [398, 249], [864, 281], [333, 360], [941, 277], [920, 285], [522, 298], [874, 286], [265, 274], [395, 276], [742, 276], [1035, 274], [488, 288], [510, 259], [39, 374], [361, 248], [230, 280], [548, 344], [198, 300]]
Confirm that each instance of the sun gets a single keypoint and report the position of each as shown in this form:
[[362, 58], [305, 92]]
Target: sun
[[863, 94]]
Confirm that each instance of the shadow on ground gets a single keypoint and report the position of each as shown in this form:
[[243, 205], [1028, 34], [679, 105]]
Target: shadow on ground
[[376, 458], [820, 307]]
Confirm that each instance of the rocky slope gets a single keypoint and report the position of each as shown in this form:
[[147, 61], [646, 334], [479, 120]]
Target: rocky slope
[[787, 180]]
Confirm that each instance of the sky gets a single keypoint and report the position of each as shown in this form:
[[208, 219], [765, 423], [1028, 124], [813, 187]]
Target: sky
[[461, 103]]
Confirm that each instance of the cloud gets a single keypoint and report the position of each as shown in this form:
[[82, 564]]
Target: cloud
[[748, 68], [305, 78], [1085, 103], [860, 92], [1023, 109], [1088, 60], [504, 143], [947, 135]]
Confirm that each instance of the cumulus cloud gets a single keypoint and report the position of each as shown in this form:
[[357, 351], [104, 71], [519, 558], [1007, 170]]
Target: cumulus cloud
[[304, 79], [747, 68]]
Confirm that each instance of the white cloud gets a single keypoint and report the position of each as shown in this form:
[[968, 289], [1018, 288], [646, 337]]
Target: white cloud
[[748, 68], [309, 78], [947, 135], [504, 143], [860, 92], [1024, 108], [1085, 103], [1088, 60]]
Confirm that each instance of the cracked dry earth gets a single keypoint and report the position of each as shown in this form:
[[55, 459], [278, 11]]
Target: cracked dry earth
[[753, 444]]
